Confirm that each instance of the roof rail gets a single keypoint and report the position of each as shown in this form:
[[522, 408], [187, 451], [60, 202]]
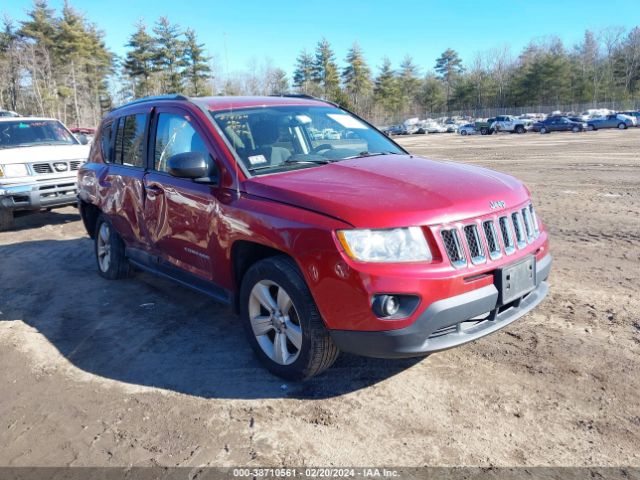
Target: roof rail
[[154, 98], [303, 95]]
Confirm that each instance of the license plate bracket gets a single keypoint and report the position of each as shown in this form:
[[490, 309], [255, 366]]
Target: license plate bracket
[[516, 280]]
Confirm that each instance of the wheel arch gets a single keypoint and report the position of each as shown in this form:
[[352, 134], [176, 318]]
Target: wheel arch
[[89, 214]]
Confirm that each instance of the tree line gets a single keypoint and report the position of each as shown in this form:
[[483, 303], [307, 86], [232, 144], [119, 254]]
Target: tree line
[[57, 64]]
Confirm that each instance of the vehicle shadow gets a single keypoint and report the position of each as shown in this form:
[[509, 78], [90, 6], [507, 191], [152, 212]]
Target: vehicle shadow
[[150, 332], [30, 220]]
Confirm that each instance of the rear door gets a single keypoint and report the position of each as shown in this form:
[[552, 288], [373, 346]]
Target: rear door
[[124, 150], [180, 214]]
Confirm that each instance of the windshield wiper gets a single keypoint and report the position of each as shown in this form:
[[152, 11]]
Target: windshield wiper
[[370, 154], [319, 161]]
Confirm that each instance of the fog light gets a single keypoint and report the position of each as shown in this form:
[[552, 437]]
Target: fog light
[[386, 305]]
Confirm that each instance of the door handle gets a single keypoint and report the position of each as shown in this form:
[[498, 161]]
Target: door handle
[[156, 190]]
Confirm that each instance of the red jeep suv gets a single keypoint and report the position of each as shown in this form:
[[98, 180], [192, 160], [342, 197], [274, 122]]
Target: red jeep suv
[[322, 232]]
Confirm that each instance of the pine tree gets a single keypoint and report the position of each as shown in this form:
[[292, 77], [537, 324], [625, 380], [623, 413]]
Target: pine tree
[[41, 28], [408, 81], [449, 67], [325, 70], [432, 96], [168, 55], [303, 73], [387, 89], [197, 71], [356, 77], [138, 63]]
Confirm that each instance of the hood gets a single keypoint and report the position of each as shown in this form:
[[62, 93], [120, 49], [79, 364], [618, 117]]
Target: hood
[[392, 190], [43, 153]]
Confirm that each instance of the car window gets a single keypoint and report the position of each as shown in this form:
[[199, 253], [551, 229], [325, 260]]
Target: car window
[[174, 135], [105, 141], [129, 142]]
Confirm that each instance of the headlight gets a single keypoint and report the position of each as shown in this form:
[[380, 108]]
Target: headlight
[[393, 245], [14, 170]]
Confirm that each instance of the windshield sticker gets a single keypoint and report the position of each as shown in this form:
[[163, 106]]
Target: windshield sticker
[[257, 159], [347, 121]]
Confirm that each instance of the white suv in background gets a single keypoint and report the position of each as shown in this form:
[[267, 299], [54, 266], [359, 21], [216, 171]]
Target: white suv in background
[[39, 159]]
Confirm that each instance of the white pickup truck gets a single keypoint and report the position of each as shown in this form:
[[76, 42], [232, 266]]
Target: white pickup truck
[[39, 159], [508, 123]]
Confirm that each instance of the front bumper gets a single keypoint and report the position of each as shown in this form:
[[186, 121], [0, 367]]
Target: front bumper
[[446, 323], [34, 196]]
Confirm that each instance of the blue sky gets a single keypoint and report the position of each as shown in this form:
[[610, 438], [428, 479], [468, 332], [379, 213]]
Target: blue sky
[[255, 29]]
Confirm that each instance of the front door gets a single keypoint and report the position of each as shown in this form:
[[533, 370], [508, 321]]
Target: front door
[[180, 214]]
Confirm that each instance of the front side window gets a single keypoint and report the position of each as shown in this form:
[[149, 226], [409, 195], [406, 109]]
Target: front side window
[[31, 133], [174, 135], [276, 139]]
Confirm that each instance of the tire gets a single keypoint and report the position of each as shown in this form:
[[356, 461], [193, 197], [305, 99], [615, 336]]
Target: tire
[[622, 126], [575, 129], [463, 132], [543, 130], [305, 346], [111, 260], [484, 131], [6, 219], [591, 128], [519, 129]]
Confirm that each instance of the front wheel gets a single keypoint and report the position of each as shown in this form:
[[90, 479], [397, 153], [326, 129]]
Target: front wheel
[[543, 130], [110, 252], [519, 129], [282, 322], [575, 129], [6, 219], [622, 126], [463, 132], [591, 128]]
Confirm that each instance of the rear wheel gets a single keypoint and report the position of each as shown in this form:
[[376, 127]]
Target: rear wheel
[[463, 132], [622, 126], [282, 322], [519, 129], [484, 131], [543, 130], [575, 129], [110, 253], [6, 219]]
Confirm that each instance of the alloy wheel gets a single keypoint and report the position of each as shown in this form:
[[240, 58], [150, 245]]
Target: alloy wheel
[[103, 247], [275, 322]]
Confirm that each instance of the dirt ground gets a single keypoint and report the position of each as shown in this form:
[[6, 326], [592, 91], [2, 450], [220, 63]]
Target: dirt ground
[[142, 372]]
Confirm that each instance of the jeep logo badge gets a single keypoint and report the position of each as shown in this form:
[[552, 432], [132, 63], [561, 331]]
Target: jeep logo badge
[[496, 204], [60, 166]]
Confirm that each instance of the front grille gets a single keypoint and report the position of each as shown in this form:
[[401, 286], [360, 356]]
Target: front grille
[[479, 241], [75, 164], [453, 246], [42, 168], [476, 250]]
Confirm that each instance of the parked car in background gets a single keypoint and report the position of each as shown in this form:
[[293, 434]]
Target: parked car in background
[[558, 124], [508, 123], [39, 159], [635, 114], [362, 248], [84, 135], [8, 113], [612, 120], [468, 129], [430, 126], [633, 119], [395, 130], [485, 127]]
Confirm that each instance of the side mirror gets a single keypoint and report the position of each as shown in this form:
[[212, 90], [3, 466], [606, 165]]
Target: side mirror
[[193, 165], [83, 139]]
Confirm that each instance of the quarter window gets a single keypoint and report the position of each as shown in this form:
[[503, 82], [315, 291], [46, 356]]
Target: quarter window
[[174, 135]]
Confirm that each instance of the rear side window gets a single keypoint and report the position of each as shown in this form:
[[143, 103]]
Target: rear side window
[[105, 141], [129, 141]]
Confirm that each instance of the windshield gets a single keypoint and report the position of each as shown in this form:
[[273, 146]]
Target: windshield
[[26, 133], [276, 139]]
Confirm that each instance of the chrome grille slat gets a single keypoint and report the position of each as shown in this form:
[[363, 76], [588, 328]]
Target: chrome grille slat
[[42, 168], [453, 246], [507, 237], [492, 239], [528, 223], [476, 249], [518, 228]]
